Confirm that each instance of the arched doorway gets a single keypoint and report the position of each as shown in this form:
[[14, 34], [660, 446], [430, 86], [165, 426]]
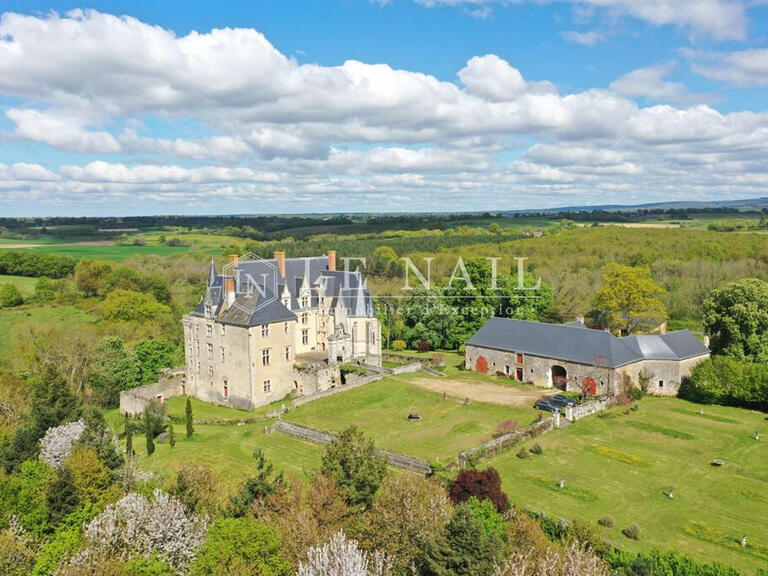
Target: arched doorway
[[481, 365], [559, 377]]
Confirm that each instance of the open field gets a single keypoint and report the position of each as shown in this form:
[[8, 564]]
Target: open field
[[24, 284], [380, 409], [621, 465], [65, 316]]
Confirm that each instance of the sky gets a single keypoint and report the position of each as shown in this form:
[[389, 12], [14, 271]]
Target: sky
[[138, 108]]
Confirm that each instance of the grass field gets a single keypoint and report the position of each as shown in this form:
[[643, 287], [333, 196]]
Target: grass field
[[622, 465], [25, 285], [12, 318], [380, 409]]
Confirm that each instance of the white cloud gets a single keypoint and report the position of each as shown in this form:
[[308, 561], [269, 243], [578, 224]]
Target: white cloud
[[650, 82], [270, 132], [588, 38], [743, 68]]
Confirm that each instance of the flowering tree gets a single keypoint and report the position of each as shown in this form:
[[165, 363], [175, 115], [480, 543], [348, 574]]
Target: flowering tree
[[343, 557], [573, 560], [57, 443], [136, 524]]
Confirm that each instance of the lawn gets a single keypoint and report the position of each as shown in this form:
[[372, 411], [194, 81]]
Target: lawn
[[12, 318], [623, 464], [24, 284], [380, 409], [228, 449]]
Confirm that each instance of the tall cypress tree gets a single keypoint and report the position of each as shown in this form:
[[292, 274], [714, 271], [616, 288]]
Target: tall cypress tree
[[188, 417], [148, 433], [171, 435], [128, 437]]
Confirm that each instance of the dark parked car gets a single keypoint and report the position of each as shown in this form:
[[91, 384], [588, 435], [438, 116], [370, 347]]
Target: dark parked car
[[562, 401], [545, 404]]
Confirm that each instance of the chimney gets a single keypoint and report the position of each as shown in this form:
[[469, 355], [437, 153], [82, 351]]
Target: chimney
[[332, 260], [280, 259], [229, 280]]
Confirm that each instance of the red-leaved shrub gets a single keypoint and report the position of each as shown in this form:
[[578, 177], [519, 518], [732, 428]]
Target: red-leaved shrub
[[482, 484]]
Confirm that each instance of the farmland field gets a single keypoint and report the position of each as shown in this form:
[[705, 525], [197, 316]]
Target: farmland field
[[12, 318], [623, 464]]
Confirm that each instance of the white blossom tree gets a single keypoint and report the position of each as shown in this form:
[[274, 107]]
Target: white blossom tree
[[58, 441], [573, 560], [136, 524], [342, 557]]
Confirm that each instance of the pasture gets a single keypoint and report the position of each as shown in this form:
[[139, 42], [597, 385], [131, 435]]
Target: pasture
[[14, 319], [623, 464], [25, 285]]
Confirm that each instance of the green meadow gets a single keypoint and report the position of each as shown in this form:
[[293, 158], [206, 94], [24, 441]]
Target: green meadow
[[12, 319], [624, 463]]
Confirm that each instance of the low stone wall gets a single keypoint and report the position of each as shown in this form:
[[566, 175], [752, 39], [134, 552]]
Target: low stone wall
[[492, 447], [407, 368], [352, 382], [170, 384], [573, 413], [395, 459]]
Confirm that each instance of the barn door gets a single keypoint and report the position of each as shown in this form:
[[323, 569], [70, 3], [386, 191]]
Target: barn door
[[481, 365]]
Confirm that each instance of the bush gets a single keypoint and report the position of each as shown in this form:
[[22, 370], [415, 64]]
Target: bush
[[632, 532], [536, 449], [721, 380], [606, 521], [10, 296], [506, 427], [423, 346], [398, 345], [635, 393], [523, 453], [623, 399]]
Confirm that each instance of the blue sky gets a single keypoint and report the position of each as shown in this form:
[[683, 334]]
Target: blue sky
[[379, 106]]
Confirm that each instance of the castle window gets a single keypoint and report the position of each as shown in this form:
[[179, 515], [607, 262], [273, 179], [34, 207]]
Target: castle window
[[226, 389], [209, 330], [198, 367], [304, 301], [210, 351], [222, 353], [267, 386], [208, 311], [197, 347], [305, 336], [285, 328], [661, 383], [266, 355], [305, 318], [223, 329], [519, 358], [287, 353], [210, 370], [265, 330], [506, 369]]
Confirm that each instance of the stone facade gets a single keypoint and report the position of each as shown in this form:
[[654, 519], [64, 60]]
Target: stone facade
[[659, 363], [293, 345]]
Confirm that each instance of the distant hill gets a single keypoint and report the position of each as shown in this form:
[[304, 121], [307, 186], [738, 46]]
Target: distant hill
[[748, 204]]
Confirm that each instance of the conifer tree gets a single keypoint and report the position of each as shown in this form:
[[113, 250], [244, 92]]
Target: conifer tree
[[128, 437], [171, 435], [188, 417], [148, 434]]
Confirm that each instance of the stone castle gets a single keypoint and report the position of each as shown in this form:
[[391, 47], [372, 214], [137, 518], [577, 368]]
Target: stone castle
[[266, 328]]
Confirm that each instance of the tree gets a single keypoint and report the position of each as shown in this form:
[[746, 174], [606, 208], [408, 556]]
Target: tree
[[98, 436], [171, 435], [132, 306], [408, 511], [628, 300], [352, 460], [92, 275], [153, 355], [480, 484], [116, 368], [62, 495], [10, 296], [257, 487], [128, 436], [149, 433], [343, 557], [197, 487], [188, 418], [556, 561], [470, 544], [241, 546], [736, 319], [58, 442]]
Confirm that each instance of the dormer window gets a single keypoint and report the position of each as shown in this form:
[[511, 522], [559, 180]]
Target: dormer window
[[208, 311], [305, 301]]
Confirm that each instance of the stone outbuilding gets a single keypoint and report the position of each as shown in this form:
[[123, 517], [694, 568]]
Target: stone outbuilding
[[576, 358]]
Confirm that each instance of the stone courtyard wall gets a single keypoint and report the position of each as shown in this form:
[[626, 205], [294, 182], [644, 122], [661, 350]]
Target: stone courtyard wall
[[170, 384]]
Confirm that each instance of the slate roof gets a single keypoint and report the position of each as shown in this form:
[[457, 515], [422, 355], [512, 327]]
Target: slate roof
[[574, 342], [344, 289]]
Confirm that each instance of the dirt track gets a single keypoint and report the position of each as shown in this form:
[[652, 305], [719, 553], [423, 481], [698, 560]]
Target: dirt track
[[481, 392]]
